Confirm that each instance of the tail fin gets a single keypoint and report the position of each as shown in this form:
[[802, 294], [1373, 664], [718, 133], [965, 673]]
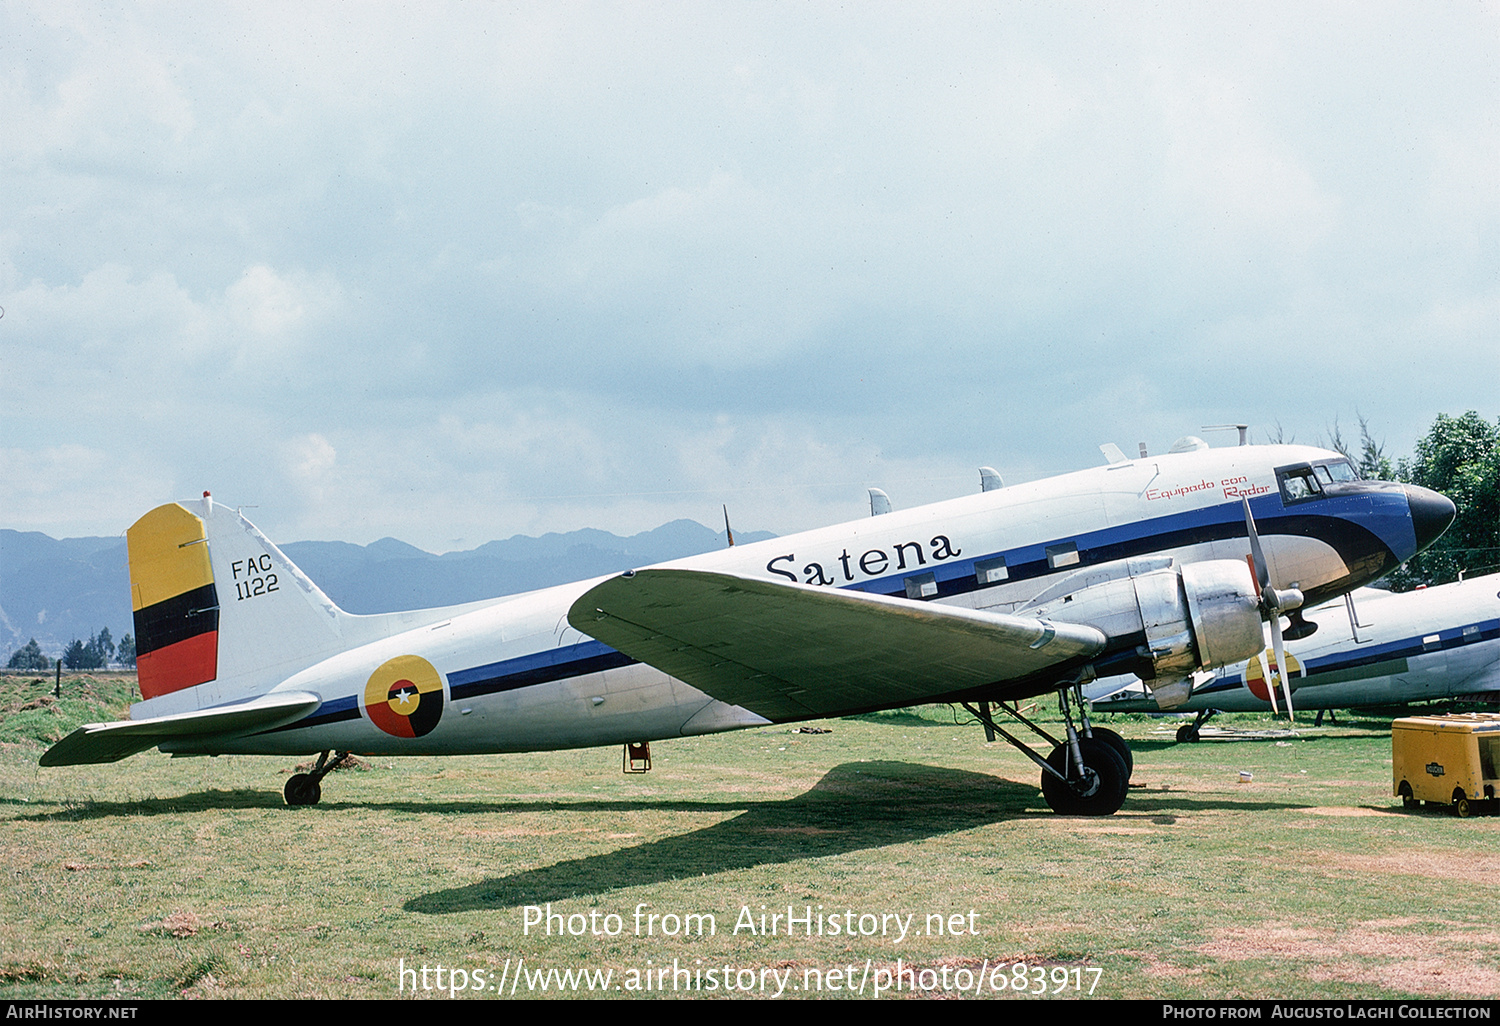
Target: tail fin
[[221, 614]]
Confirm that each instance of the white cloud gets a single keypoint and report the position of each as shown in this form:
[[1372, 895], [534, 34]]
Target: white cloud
[[509, 268], [70, 490]]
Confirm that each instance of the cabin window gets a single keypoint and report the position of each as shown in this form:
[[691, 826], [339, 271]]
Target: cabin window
[[990, 571], [1062, 555], [921, 586]]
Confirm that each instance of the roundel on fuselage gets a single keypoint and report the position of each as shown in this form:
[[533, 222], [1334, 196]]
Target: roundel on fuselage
[[404, 697], [1259, 669]]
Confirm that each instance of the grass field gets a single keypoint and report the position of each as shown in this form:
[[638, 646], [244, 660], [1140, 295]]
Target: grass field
[[156, 877]]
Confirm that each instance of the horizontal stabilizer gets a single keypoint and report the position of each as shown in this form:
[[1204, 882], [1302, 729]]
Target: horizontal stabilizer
[[791, 651], [111, 742]]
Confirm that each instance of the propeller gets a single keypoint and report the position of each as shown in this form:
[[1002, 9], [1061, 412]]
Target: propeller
[[1273, 604]]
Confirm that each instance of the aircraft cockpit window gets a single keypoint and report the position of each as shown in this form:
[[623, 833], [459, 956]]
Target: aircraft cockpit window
[[1299, 484], [1337, 471]]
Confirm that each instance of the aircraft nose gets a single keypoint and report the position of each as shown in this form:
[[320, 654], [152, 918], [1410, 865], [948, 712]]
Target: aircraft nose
[[1431, 513]]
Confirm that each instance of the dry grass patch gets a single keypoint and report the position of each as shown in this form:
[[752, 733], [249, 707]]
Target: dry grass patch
[[1157, 969], [180, 924], [1432, 965], [1464, 868]]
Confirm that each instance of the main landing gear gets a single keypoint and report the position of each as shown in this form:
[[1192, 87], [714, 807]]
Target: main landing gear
[[1088, 772], [307, 788]]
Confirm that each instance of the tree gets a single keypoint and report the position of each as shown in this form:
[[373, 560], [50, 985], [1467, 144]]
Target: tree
[[1459, 457], [125, 654], [78, 656], [1372, 464], [1370, 461], [29, 657], [104, 646], [93, 654]]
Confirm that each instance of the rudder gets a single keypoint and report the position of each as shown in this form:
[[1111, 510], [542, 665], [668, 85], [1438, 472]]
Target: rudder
[[174, 600]]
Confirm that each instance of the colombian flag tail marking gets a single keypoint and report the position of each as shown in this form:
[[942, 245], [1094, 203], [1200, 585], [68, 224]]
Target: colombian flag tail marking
[[175, 603]]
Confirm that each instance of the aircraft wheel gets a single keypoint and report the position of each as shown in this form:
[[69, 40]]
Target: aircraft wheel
[[1120, 745], [302, 789], [1187, 732], [1099, 791]]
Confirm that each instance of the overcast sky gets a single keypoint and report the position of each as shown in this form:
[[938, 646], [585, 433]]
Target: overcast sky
[[453, 273]]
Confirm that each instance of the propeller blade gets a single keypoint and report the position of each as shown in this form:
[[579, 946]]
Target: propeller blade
[[1272, 604], [1286, 683], [1271, 683], [1262, 572]]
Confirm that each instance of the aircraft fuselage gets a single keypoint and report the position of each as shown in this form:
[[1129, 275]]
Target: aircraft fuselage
[[513, 675]]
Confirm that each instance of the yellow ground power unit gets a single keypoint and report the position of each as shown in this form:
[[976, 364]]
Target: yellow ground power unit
[[1447, 760]]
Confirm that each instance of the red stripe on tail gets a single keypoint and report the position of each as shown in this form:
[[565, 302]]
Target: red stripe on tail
[[181, 665]]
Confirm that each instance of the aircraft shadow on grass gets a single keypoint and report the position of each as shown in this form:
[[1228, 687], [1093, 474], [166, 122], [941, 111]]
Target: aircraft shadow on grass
[[855, 806]]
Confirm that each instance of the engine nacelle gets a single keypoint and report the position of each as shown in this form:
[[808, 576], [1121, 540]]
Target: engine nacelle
[[1194, 616]]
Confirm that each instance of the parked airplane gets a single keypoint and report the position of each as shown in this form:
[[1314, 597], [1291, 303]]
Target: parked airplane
[[1376, 648], [1016, 591]]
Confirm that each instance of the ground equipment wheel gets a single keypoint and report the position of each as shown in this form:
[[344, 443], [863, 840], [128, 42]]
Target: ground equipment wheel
[[1408, 800], [1461, 807], [1098, 790]]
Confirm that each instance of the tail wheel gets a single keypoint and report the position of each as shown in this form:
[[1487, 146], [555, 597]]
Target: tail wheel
[[1098, 788], [1187, 733], [302, 789]]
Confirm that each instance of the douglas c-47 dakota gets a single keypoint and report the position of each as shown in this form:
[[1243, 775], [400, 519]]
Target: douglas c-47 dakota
[[1160, 566]]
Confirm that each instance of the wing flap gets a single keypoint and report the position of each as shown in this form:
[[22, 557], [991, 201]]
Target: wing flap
[[111, 742], [789, 651]]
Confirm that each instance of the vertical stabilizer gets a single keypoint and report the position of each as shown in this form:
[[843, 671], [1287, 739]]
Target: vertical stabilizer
[[221, 615]]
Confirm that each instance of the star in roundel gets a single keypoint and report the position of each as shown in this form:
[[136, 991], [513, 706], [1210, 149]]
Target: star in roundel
[[404, 696]]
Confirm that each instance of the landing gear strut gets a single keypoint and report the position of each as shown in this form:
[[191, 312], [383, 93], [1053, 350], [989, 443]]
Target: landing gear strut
[[307, 788], [1088, 773], [1190, 731]]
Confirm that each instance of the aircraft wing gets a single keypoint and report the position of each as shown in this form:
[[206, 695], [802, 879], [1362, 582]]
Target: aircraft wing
[[111, 742], [791, 651]]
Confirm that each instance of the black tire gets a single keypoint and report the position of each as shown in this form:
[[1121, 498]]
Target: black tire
[[302, 789], [1103, 786], [1461, 806], [1187, 733], [1120, 745], [1408, 800]]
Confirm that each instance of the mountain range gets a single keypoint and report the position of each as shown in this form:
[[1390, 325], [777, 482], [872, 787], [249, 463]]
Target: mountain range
[[58, 590]]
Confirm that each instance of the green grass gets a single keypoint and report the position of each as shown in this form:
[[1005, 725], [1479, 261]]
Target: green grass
[[156, 877], [31, 713]]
